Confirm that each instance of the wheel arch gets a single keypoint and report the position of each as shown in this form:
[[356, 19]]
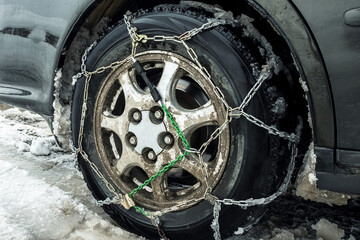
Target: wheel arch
[[88, 18], [96, 10], [79, 36], [288, 23], [284, 20]]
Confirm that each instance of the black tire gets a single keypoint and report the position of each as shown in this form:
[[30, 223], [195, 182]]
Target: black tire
[[255, 158]]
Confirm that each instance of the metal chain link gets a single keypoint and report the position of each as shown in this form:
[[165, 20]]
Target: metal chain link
[[80, 140], [117, 196], [212, 23], [131, 29], [230, 114], [264, 201], [83, 63], [264, 75], [215, 224], [254, 202], [294, 138]]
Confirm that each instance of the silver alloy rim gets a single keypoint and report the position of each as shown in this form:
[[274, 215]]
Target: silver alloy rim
[[134, 142]]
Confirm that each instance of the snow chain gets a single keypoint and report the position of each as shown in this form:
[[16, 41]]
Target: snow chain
[[237, 112]]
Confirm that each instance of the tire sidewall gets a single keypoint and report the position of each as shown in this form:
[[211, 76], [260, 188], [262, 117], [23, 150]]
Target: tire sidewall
[[242, 177]]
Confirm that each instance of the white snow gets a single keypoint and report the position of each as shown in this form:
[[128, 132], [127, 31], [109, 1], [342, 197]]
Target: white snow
[[62, 112], [45, 197], [279, 106], [327, 230], [38, 34], [23, 147], [306, 183], [40, 147], [282, 234], [41, 206], [240, 231], [312, 178], [19, 128], [64, 81]]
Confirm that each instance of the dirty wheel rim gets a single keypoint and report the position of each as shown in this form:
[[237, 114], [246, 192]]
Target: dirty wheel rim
[[134, 141]]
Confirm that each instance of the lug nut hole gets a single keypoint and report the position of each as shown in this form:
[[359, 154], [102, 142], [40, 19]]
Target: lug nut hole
[[157, 115], [149, 155], [131, 140], [166, 140], [135, 115]]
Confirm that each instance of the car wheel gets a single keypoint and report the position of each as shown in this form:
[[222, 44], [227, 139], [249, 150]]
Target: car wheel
[[127, 136]]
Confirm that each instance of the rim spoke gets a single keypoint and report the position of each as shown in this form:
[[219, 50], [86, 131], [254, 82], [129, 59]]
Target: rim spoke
[[166, 157], [158, 189], [167, 81], [189, 120], [114, 124], [128, 85], [129, 158], [194, 168], [134, 96]]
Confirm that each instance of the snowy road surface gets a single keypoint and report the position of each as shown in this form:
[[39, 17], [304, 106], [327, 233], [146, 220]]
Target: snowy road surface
[[43, 196]]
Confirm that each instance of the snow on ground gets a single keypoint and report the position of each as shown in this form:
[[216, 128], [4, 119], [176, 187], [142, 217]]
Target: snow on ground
[[43, 196], [306, 183]]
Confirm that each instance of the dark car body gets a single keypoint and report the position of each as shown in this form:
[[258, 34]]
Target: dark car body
[[323, 35]]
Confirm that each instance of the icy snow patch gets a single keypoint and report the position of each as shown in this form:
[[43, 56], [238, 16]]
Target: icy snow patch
[[312, 178], [240, 231], [10, 229], [95, 228], [36, 208], [44, 197], [40, 147], [23, 147], [281, 234], [306, 183], [36, 205], [279, 107], [304, 85], [19, 128], [62, 112], [327, 230], [38, 34]]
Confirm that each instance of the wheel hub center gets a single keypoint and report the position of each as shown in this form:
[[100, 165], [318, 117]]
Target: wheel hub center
[[147, 132]]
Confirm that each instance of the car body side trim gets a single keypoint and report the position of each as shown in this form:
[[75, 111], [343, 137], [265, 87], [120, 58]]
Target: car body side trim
[[346, 172], [348, 161], [337, 182]]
